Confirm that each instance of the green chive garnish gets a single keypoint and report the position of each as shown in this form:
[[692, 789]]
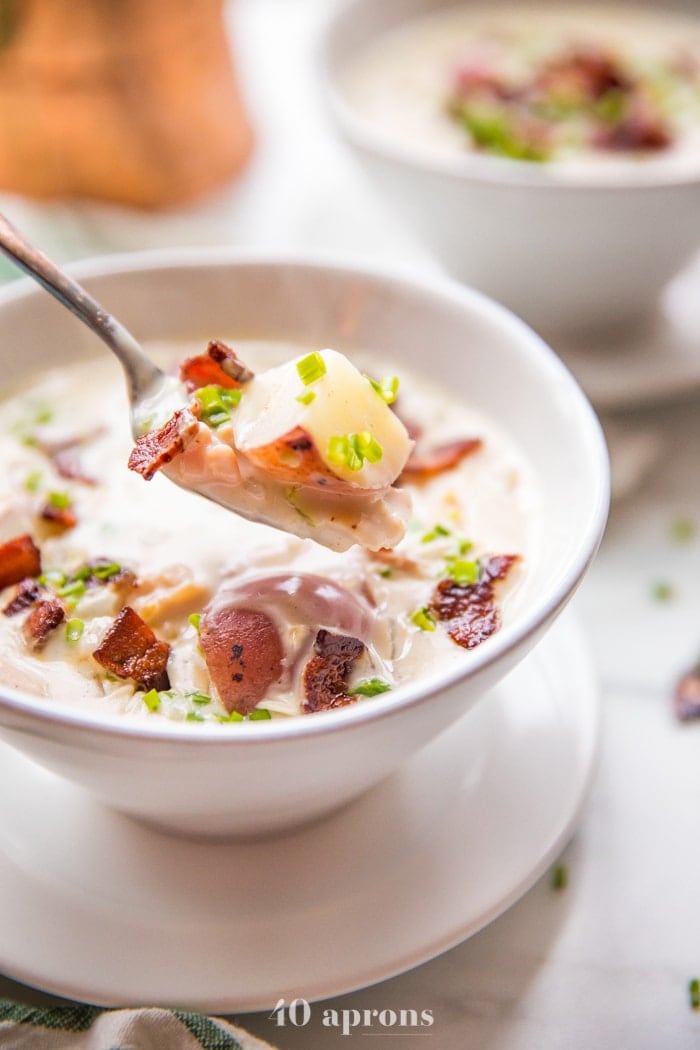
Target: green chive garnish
[[662, 591], [53, 578], [74, 630], [351, 450], [683, 530], [193, 716], [423, 618], [106, 570], [216, 403], [463, 571], [59, 500], [199, 698], [235, 716], [387, 388], [152, 699], [438, 530], [311, 368], [74, 589], [194, 619], [307, 398], [33, 481], [387, 573], [560, 877], [370, 687], [260, 714], [694, 993]]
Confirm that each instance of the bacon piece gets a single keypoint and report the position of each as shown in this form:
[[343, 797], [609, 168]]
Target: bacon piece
[[130, 649], [588, 73], [64, 517], [219, 366], [639, 131], [325, 676], [19, 558], [68, 465], [28, 591], [424, 465], [471, 609], [686, 698], [243, 652], [44, 618], [157, 448]]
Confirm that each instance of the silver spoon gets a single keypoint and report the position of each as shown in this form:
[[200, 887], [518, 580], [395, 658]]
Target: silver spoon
[[145, 381]]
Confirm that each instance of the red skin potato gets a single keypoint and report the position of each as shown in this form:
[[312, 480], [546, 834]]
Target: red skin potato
[[243, 653]]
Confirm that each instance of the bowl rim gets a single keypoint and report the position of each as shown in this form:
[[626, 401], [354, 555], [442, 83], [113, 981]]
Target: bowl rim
[[627, 177], [409, 281]]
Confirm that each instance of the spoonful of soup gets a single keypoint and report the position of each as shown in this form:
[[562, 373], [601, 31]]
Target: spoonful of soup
[[311, 447]]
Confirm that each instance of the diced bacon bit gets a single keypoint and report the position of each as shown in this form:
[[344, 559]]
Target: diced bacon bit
[[130, 649], [219, 366], [28, 591], [640, 131], [686, 698], [19, 558], [470, 609], [64, 517], [424, 465], [157, 448], [44, 618], [68, 465], [325, 676], [590, 72]]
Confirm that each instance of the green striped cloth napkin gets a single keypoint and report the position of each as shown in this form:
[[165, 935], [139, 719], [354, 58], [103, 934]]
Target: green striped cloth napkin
[[76, 1027]]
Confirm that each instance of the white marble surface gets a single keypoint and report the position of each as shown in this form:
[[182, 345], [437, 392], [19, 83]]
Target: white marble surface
[[604, 963]]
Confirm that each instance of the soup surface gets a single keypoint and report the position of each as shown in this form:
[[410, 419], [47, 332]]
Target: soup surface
[[124, 586], [570, 86]]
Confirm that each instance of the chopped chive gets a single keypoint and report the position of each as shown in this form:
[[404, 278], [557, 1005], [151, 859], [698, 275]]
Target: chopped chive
[[260, 714], [216, 403], [386, 573], [152, 699], [234, 716], [311, 368], [74, 589], [74, 630], [683, 530], [387, 388], [560, 877], [307, 398], [43, 414], [53, 578], [463, 571], [370, 687], [194, 619], [662, 591], [106, 570], [59, 500], [33, 481], [199, 698], [438, 530], [351, 450], [694, 993], [465, 546], [193, 716], [423, 618]]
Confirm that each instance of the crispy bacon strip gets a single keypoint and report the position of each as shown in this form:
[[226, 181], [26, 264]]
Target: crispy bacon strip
[[424, 465], [28, 591], [44, 618], [130, 649], [470, 609], [325, 676], [19, 558], [220, 366], [157, 448]]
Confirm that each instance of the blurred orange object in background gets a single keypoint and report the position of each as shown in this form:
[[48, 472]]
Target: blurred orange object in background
[[119, 100]]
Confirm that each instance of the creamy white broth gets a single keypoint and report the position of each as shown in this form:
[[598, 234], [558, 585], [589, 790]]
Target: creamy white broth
[[182, 548], [400, 81]]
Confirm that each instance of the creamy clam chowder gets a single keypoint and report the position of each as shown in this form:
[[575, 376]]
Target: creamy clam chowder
[[133, 597], [571, 86]]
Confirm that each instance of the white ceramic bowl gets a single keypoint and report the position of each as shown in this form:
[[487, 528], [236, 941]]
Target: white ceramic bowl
[[271, 775], [567, 254]]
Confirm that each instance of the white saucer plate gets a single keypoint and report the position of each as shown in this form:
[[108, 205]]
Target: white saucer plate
[[96, 907], [654, 362]]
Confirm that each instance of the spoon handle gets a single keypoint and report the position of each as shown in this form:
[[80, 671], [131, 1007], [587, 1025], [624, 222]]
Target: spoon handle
[[141, 373]]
